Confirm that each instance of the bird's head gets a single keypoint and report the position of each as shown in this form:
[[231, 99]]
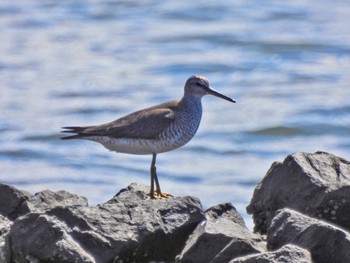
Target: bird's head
[[199, 86]]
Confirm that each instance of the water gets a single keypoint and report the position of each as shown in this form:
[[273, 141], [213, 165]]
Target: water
[[287, 64]]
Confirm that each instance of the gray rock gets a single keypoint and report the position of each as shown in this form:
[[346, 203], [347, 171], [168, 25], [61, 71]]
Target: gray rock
[[39, 237], [5, 226], [226, 210], [133, 191], [222, 237], [45, 200], [286, 254], [10, 200], [129, 228], [316, 184], [15, 203], [327, 243]]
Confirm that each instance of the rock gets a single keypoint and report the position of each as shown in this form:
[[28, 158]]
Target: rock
[[5, 226], [38, 237], [45, 200], [128, 228], [15, 203], [10, 200], [287, 253], [316, 184], [226, 210], [222, 237], [59, 227], [134, 190], [327, 243]]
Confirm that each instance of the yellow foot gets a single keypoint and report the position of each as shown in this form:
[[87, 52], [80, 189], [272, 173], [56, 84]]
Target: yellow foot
[[160, 196]]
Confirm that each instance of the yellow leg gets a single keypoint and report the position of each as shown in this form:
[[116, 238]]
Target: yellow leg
[[154, 178]]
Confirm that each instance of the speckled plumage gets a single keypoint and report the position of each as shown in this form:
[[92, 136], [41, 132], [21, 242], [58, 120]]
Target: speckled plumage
[[153, 130]]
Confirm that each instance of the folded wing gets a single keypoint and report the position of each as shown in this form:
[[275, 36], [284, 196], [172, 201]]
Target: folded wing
[[144, 124]]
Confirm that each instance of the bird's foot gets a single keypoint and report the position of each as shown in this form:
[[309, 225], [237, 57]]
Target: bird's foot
[[163, 195], [159, 196]]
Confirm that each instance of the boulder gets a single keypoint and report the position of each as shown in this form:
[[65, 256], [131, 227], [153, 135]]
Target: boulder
[[316, 184], [46, 200], [287, 253], [15, 203], [326, 242], [220, 238], [128, 228], [11, 200]]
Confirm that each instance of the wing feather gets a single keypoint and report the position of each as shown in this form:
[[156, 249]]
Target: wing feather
[[138, 125], [143, 124]]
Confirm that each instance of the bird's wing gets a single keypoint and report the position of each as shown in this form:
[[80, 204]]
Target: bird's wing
[[144, 124]]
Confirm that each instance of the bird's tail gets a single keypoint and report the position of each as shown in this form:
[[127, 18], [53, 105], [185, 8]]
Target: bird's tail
[[78, 130]]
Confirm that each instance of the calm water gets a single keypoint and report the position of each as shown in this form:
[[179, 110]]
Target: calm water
[[287, 63]]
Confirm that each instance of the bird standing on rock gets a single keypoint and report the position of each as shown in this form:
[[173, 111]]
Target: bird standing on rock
[[153, 130]]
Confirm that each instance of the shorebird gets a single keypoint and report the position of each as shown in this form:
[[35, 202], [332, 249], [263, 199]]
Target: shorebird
[[153, 130]]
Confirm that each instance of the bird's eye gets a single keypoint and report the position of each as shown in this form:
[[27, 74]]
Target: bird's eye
[[201, 85]]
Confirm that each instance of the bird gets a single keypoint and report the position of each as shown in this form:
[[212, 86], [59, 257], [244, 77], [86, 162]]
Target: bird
[[154, 130]]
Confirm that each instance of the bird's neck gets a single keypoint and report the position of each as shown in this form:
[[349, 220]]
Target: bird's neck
[[192, 103]]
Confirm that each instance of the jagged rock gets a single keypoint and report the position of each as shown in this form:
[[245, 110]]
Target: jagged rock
[[286, 254], [15, 203], [129, 228], [327, 243], [226, 210], [5, 226], [39, 237], [10, 200], [222, 237], [316, 184], [45, 200]]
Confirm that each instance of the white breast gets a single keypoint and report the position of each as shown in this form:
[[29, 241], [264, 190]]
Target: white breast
[[124, 145]]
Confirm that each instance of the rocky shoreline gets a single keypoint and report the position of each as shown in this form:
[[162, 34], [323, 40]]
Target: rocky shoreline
[[301, 212]]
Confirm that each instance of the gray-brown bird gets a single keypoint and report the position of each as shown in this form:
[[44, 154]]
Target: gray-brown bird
[[153, 130]]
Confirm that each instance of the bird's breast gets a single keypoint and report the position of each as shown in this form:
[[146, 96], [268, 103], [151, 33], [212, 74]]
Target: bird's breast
[[182, 130]]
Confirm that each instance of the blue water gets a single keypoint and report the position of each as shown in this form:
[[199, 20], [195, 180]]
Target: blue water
[[286, 63]]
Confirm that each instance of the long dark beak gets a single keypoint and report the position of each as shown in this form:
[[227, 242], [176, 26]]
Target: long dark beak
[[213, 92]]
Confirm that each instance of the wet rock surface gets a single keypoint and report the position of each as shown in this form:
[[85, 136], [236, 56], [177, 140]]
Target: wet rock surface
[[301, 209]]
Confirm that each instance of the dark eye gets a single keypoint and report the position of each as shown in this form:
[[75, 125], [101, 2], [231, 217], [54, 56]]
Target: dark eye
[[201, 85]]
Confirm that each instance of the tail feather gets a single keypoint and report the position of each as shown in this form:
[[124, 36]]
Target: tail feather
[[79, 130], [76, 129], [77, 136]]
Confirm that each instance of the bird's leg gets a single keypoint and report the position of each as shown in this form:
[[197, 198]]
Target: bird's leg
[[159, 192], [154, 178], [153, 175]]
